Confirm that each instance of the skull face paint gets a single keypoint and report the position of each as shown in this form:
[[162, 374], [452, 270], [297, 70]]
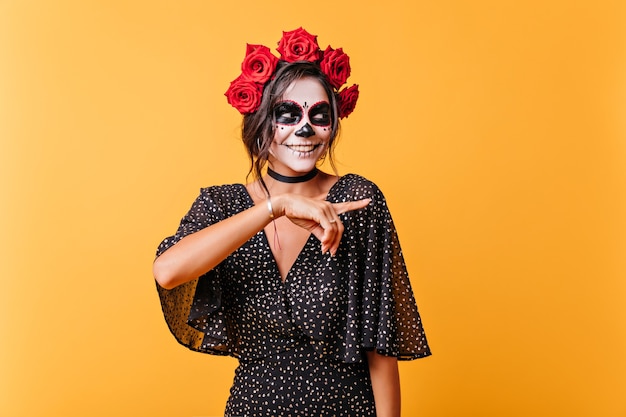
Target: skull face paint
[[305, 131], [302, 130], [290, 113]]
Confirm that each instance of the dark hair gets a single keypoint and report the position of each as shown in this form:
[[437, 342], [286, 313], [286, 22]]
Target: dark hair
[[258, 128]]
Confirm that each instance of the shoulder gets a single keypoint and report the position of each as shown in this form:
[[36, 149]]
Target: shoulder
[[224, 198], [226, 192], [352, 187], [356, 187]]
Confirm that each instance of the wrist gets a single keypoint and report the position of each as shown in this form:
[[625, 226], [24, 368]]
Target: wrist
[[277, 203], [270, 208]]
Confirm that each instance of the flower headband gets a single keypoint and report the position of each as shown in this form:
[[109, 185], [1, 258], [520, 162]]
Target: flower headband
[[259, 65]]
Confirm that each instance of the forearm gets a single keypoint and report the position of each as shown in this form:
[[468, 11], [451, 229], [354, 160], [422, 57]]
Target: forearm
[[385, 384], [198, 253]]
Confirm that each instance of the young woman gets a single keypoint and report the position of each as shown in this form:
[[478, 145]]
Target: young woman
[[299, 274]]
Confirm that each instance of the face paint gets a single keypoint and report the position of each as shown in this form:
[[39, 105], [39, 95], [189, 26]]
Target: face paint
[[319, 115], [290, 113], [305, 131], [303, 128]]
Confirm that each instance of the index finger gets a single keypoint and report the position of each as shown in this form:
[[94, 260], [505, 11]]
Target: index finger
[[350, 205]]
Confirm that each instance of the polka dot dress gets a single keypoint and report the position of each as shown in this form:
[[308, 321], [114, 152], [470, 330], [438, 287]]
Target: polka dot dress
[[301, 343]]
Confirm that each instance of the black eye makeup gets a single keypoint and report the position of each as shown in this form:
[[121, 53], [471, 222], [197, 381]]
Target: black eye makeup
[[291, 113], [288, 113], [319, 115]]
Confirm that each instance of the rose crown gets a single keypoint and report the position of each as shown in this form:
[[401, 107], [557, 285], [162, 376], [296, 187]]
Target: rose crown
[[258, 67]]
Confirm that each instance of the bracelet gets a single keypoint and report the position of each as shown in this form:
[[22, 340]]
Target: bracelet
[[269, 208]]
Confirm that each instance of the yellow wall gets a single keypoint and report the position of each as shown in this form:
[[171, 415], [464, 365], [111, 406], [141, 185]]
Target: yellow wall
[[495, 128]]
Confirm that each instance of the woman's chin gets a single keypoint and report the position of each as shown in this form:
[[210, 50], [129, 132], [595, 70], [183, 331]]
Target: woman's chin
[[296, 167]]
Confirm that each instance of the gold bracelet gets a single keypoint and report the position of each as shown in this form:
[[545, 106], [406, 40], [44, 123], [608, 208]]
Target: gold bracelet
[[269, 208]]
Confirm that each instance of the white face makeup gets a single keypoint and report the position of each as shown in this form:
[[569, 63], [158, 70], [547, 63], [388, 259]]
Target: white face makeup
[[303, 128]]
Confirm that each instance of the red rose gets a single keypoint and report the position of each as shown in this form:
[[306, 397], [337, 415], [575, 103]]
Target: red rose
[[347, 100], [298, 45], [244, 95], [336, 65], [259, 63]]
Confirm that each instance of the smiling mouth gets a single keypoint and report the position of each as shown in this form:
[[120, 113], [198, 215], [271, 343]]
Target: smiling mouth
[[303, 148]]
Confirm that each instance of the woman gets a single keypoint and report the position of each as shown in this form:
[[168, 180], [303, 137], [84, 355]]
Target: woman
[[299, 274]]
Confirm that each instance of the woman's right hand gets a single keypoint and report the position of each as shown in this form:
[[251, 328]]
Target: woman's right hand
[[199, 252], [319, 217]]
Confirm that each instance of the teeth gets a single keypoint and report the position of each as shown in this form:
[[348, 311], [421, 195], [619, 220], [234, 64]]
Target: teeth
[[302, 148]]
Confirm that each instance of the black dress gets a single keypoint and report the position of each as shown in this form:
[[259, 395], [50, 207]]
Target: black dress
[[301, 343]]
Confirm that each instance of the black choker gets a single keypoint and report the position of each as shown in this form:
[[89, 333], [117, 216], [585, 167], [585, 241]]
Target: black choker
[[292, 180]]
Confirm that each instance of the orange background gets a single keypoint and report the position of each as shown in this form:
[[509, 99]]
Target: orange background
[[495, 128]]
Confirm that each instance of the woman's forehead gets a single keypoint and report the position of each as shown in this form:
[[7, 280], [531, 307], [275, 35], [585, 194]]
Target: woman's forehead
[[307, 90]]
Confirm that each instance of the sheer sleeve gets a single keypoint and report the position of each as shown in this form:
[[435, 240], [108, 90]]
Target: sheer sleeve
[[382, 314], [193, 311]]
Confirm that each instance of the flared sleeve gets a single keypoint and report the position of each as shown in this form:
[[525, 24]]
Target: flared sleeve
[[193, 311], [382, 314]]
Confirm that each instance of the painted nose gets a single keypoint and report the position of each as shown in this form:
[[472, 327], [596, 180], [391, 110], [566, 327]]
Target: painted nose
[[305, 131]]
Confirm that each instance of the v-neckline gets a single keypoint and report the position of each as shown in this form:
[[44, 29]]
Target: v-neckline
[[295, 262], [266, 240]]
